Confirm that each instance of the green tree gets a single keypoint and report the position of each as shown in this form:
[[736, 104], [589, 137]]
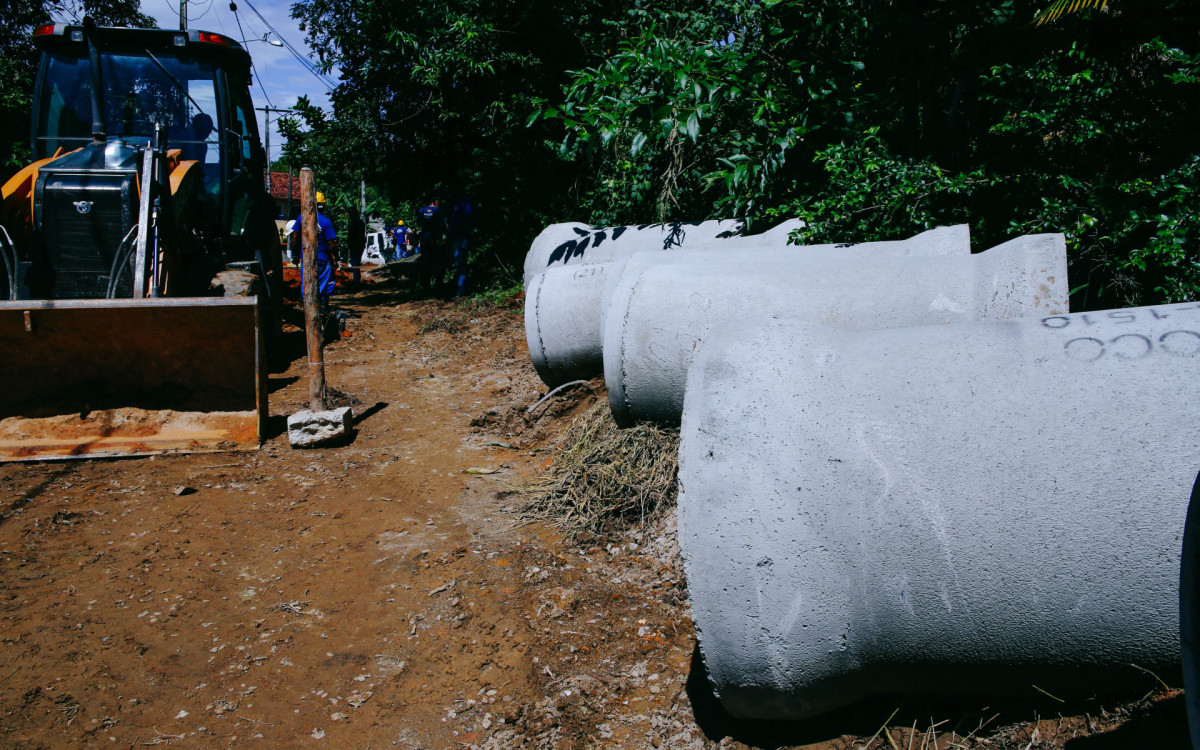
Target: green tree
[[874, 120], [18, 61], [433, 100], [870, 119]]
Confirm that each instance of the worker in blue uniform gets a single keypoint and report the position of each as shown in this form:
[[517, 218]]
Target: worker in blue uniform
[[400, 238], [432, 266], [462, 218], [326, 250]]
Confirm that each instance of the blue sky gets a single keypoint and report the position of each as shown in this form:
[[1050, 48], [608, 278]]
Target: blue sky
[[283, 77]]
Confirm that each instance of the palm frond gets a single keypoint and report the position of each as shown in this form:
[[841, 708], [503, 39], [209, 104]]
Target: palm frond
[[1061, 8]]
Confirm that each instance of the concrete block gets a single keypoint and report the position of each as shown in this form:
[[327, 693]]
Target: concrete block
[[564, 306], [657, 318], [969, 508], [309, 429]]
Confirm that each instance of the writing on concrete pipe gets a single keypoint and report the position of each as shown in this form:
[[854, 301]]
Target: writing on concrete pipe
[[978, 507], [564, 306], [561, 245], [657, 316]]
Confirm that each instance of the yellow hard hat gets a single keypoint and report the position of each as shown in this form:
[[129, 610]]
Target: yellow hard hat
[[320, 197], [399, 223]]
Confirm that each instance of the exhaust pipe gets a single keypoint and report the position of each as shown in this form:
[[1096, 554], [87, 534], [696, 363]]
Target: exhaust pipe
[[1189, 613], [987, 508], [97, 82]]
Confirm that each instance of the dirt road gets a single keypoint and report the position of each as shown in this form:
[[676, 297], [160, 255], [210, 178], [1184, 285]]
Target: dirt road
[[380, 594]]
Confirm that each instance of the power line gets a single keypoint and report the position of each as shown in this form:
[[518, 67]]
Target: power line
[[203, 14], [253, 68], [303, 60]]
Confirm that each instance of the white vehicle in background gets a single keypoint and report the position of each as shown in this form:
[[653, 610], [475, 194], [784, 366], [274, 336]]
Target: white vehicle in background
[[377, 250]]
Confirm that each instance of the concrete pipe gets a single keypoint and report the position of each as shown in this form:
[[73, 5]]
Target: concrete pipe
[[569, 244], [656, 318], [574, 243], [564, 306], [547, 240], [977, 508]]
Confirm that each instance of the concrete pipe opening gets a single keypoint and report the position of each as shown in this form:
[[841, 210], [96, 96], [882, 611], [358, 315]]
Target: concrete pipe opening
[[974, 508], [564, 306], [657, 316]]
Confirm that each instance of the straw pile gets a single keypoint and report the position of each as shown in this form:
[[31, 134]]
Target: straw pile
[[604, 479]]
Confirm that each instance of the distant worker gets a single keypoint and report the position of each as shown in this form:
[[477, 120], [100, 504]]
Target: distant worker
[[432, 268], [356, 234], [292, 240], [326, 256], [459, 227], [402, 237]]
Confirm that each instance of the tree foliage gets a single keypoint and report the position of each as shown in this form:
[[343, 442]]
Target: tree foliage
[[434, 98], [867, 119], [873, 120], [18, 61]]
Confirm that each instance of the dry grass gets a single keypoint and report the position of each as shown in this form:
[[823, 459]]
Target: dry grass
[[605, 479], [451, 327], [1154, 720]]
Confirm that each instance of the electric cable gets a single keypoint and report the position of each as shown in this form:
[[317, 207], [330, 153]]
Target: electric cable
[[253, 69], [330, 84], [304, 61], [203, 13]]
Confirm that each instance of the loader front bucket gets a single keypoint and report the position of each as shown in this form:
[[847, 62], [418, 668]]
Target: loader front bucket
[[130, 377]]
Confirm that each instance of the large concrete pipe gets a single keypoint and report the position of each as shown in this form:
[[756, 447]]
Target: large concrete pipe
[[980, 508], [574, 243], [657, 317], [564, 306]]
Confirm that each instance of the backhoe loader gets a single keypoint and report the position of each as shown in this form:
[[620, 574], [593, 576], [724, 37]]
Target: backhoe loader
[[146, 184]]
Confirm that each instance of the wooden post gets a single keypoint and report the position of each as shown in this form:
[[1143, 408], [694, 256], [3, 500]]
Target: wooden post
[[308, 282]]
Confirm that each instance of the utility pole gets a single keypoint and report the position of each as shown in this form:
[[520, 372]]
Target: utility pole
[[308, 284], [267, 122], [183, 15]]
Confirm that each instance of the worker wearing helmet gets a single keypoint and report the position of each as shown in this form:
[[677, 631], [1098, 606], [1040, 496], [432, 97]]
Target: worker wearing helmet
[[402, 236], [326, 251]]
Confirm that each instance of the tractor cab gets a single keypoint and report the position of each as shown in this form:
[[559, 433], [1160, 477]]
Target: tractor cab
[[196, 83], [103, 97]]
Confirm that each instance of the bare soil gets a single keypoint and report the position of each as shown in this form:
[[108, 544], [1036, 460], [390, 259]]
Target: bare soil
[[386, 593]]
